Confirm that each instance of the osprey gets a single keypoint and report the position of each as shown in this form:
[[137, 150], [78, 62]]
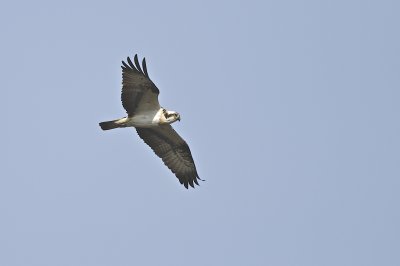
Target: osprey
[[152, 122]]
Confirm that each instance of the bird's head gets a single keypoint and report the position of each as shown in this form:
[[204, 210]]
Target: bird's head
[[172, 116]]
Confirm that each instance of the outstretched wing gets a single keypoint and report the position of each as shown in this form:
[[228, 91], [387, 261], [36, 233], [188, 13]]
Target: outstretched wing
[[173, 150], [138, 92]]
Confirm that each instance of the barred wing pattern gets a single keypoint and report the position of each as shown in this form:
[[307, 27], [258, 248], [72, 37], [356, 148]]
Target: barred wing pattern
[[139, 93], [173, 150]]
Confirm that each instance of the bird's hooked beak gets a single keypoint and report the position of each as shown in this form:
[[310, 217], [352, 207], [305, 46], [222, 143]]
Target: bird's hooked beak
[[179, 118]]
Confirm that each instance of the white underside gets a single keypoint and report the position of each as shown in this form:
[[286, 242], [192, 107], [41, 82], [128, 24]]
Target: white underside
[[144, 119]]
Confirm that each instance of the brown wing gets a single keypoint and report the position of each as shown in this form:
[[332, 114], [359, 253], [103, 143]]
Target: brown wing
[[138, 92], [173, 150]]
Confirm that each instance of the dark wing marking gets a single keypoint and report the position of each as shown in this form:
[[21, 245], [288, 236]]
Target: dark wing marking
[[145, 67], [173, 150], [137, 87]]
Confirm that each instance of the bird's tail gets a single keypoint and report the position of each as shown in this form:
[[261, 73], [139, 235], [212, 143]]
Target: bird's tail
[[107, 125]]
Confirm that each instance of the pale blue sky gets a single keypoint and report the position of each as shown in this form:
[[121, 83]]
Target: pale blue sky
[[291, 110]]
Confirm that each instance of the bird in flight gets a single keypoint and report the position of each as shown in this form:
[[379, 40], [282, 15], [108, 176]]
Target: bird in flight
[[152, 122]]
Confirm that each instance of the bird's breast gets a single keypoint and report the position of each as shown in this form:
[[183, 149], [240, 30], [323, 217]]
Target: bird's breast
[[148, 119]]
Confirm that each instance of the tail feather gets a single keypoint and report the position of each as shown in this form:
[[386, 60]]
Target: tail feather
[[107, 125]]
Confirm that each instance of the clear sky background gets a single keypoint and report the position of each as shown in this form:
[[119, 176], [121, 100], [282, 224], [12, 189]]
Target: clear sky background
[[291, 110]]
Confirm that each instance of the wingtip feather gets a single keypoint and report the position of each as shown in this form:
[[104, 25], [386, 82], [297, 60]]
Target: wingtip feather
[[136, 59], [130, 63], [145, 67], [191, 183], [124, 65]]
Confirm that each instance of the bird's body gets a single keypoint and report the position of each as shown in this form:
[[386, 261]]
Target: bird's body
[[152, 122], [142, 119]]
